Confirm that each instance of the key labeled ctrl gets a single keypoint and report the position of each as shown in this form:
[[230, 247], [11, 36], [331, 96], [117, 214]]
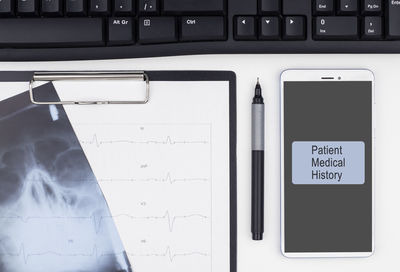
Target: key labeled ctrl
[[202, 28]]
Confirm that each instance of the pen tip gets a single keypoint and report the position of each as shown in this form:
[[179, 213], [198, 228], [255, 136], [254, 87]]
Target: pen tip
[[258, 88]]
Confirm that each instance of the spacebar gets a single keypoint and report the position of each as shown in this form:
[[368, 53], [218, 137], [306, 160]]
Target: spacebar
[[51, 32]]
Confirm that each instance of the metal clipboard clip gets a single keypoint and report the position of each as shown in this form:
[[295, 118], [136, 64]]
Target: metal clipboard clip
[[65, 76]]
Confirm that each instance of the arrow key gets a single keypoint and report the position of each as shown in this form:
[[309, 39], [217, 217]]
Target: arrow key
[[245, 28], [294, 28], [269, 28], [348, 7]]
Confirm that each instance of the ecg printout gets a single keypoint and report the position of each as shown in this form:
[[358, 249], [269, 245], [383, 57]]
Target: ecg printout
[[164, 170]]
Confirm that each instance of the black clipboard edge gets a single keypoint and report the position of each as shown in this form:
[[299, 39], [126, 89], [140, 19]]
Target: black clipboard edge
[[216, 76], [169, 75]]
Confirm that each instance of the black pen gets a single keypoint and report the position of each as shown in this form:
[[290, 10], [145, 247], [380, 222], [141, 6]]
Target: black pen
[[257, 176]]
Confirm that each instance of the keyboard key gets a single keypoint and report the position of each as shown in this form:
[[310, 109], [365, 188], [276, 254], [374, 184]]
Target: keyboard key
[[6, 7], [269, 28], [371, 6], [243, 7], [193, 6], [202, 28], [98, 7], [270, 6], [51, 7], [27, 7], [324, 7], [336, 28], [51, 32], [157, 30], [148, 6], [348, 7], [393, 20], [123, 7], [372, 28], [245, 28], [296, 7], [294, 28], [120, 30], [75, 7]]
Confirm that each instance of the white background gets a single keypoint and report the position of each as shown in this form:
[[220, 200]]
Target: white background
[[265, 255]]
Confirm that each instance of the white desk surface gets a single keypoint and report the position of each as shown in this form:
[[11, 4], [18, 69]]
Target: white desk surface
[[266, 255]]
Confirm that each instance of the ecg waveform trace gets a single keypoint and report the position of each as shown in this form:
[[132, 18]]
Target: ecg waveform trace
[[168, 252], [97, 220], [167, 179], [167, 141], [95, 253], [26, 256]]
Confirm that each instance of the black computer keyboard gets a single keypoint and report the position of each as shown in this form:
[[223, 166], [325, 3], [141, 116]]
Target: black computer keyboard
[[96, 29]]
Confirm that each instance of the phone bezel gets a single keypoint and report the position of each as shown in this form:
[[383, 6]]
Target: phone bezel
[[325, 75]]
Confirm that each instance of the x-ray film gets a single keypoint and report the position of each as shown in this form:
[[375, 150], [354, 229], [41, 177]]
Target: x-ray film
[[53, 215]]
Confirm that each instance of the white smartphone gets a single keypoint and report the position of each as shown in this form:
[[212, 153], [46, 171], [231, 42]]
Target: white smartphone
[[327, 163]]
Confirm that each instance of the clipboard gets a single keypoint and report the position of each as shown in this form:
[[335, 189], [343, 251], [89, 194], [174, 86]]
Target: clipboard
[[148, 77]]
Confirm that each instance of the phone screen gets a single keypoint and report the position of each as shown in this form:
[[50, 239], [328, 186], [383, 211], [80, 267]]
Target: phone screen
[[327, 181]]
